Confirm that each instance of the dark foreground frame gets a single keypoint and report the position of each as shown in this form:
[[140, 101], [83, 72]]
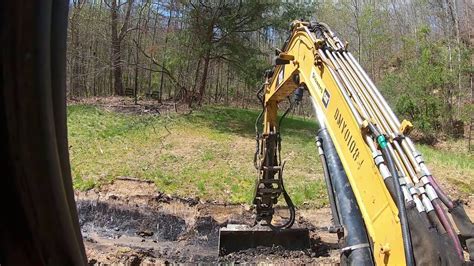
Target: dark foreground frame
[[38, 223]]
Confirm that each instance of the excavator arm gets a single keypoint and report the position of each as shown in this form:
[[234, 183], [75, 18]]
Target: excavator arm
[[306, 67], [386, 205]]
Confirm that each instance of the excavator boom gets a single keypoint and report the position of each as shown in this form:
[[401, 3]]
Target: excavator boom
[[386, 205]]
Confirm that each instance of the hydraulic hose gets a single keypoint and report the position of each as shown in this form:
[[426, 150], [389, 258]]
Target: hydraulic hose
[[327, 178], [409, 259], [442, 196], [356, 249], [448, 227], [257, 133], [288, 201], [418, 198], [291, 209], [435, 222], [257, 140], [329, 186]]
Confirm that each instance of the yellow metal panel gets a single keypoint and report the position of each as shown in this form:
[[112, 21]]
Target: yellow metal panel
[[378, 209]]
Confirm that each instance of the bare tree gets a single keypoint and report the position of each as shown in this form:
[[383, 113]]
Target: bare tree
[[117, 38]]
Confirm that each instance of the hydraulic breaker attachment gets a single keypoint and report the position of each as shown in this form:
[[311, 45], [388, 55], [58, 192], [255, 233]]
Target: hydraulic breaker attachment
[[236, 237], [269, 185], [268, 188]]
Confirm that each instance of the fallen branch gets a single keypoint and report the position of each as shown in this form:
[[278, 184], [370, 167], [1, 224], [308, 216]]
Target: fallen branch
[[127, 178]]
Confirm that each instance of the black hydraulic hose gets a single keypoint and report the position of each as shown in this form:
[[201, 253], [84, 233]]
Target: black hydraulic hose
[[433, 218], [291, 208], [279, 126], [329, 186], [260, 99], [409, 259], [356, 249], [285, 113], [257, 134], [424, 216], [289, 204], [257, 139], [448, 226]]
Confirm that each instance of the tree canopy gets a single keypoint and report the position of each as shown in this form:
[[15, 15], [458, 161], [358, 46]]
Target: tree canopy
[[201, 51]]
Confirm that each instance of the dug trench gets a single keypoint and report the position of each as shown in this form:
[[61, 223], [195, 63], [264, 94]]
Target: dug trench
[[129, 222]]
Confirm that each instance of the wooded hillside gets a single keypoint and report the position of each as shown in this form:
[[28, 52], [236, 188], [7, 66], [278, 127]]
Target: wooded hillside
[[418, 52]]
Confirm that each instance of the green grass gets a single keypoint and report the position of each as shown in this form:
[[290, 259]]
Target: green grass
[[206, 154], [452, 164], [209, 154], [455, 159]]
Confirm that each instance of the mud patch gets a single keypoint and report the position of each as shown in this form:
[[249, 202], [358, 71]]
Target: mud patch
[[279, 255], [143, 226], [207, 230], [116, 220]]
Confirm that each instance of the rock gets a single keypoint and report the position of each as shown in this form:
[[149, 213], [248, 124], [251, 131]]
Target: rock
[[145, 233]]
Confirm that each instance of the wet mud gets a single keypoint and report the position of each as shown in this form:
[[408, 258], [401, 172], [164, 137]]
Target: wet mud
[[128, 222]]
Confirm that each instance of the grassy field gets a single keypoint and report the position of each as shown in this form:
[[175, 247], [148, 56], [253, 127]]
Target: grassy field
[[209, 154]]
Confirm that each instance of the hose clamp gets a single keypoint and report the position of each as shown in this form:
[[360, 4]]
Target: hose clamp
[[377, 155], [427, 203], [424, 169], [424, 179], [419, 204], [406, 194], [418, 158], [421, 190], [431, 192], [384, 171], [354, 247], [398, 137], [414, 191], [402, 180]]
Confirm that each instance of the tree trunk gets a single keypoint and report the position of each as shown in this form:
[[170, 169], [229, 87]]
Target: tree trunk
[[153, 43], [137, 57], [73, 78], [117, 37], [227, 85], [196, 77], [164, 54], [116, 51], [76, 73], [202, 85], [448, 124], [216, 94]]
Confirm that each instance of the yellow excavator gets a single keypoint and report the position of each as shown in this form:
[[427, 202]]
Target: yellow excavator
[[386, 205]]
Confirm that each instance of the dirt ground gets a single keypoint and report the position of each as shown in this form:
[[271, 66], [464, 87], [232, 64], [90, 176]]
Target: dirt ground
[[129, 222]]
